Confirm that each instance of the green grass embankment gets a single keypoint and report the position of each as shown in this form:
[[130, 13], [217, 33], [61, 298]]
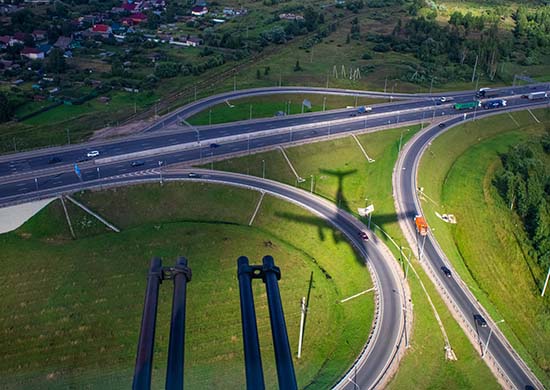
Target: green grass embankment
[[270, 105], [72, 308], [488, 247]]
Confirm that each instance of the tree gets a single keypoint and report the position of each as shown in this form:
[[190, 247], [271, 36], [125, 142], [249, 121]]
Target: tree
[[6, 109], [56, 62]]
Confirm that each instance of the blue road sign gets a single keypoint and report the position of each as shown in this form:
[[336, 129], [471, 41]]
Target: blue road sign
[[77, 171]]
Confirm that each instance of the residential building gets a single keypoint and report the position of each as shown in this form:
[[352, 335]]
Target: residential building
[[32, 53]]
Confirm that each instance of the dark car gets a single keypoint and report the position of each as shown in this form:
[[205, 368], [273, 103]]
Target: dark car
[[442, 125], [213, 146], [194, 175], [137, 163], [364, 235], [54, 160], [446, 271], [480, 320]]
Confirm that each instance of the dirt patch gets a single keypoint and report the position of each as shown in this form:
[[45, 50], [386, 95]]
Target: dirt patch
[[112, 132]]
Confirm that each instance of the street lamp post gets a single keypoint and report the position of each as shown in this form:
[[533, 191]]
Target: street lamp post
[[263, 169], [36, 183], [324, 103], [209, 117], [311, 188], [98, 176], [408, 259], [484, 351], [160, 172], [68, 136]]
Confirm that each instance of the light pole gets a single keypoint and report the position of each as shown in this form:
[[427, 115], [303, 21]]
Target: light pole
[[324, 103], [36, 183], [311, 187], [98, 176], [484, 351], [248, 143], [68, 136], [290, 133], [251, 111], [160, 172], [209, 117], [263, 169], [408, 259]]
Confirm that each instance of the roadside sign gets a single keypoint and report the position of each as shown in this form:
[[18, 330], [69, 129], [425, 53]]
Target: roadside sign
[[369, 209], [77, 171]]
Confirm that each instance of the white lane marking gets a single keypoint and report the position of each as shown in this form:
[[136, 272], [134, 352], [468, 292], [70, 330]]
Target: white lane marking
[[22, 189]]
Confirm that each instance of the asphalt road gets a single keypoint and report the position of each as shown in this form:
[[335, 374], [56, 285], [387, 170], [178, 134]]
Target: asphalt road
[[516, 371], [23, 173]]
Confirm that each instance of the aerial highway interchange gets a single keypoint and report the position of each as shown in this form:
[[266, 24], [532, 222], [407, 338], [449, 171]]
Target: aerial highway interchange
[[170, 140]]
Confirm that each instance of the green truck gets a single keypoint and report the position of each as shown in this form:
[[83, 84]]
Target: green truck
[[466, 106]]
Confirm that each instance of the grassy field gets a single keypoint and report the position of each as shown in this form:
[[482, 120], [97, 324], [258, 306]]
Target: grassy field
[[71, 317], [342, 175], [486, 247], [267, 106]]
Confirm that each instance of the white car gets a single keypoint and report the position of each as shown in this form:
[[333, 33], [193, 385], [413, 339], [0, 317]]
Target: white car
[[93, 153]]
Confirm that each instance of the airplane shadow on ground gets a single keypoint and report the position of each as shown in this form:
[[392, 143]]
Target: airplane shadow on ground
[[381, 220]]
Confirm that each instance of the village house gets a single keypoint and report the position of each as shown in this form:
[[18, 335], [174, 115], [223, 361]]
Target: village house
[[101, 30], [32, 53], [199, 10]]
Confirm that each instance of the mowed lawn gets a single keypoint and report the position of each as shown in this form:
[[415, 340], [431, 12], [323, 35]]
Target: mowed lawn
[[269, 105], [71, 309], [488, 247], [342, 175]]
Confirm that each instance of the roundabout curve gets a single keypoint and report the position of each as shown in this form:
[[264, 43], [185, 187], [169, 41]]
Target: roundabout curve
[[385, 343]]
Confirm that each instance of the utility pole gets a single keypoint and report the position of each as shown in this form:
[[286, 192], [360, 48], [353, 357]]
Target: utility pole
[[475, 68]]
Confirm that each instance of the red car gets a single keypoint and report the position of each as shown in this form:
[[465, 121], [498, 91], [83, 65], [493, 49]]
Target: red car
[[364, 235]]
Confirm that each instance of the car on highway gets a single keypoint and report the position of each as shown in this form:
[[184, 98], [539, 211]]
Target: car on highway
[[442, 125], [446, 271], [93, 153], [194, 175], [137, 163], [478, 318], [54, 160], [363, 234], [214, 145]]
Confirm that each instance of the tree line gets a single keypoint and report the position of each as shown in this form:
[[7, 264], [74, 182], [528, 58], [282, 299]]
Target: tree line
[[524, 183]]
